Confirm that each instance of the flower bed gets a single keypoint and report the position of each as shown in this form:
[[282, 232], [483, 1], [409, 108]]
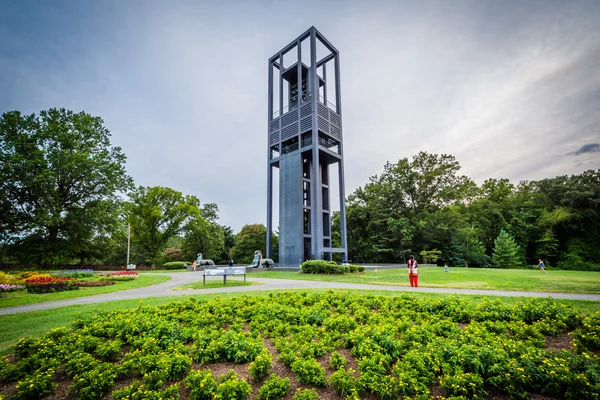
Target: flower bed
[[124, 273], [4, 287], [348, 346], [75, 273], [95, 283], [49, 284], [122, 276]]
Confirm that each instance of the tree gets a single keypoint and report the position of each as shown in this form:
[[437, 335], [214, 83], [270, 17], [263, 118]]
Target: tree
[[202, 236], [388, 217], [158, 214], [250, 239], [59, 177], [507, 253], [228, 242], [466, 248]]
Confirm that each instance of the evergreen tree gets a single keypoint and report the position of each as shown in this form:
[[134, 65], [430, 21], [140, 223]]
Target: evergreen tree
[[507, 253]]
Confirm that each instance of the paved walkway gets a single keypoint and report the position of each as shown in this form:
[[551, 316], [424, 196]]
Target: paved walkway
[[182, 278]]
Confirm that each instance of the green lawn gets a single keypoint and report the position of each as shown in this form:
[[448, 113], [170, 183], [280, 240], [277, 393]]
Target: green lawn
[[13, 299], [464, 278], [216, 283], [15, 326]]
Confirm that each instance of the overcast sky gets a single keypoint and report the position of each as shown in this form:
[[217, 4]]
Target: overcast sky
[[511, 88]]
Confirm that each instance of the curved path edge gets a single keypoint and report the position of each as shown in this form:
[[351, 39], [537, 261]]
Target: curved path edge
[[165, 289]]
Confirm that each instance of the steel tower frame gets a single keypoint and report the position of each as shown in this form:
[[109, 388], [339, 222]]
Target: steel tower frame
[[304, 139]]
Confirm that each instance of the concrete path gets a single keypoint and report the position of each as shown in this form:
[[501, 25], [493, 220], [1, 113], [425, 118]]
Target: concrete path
[[182, 278]]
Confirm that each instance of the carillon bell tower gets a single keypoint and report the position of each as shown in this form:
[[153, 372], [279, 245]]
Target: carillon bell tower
[[305, 143]]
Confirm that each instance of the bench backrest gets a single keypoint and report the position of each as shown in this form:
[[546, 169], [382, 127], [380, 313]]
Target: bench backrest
[[225, 271]]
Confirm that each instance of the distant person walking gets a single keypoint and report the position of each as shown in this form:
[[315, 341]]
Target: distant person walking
[[446, 268], [230, 263], [542, 266], [194, 264], [413, 274]]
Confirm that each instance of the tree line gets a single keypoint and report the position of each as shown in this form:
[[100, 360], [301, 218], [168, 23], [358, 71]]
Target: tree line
[[65, 198], [425, 207]]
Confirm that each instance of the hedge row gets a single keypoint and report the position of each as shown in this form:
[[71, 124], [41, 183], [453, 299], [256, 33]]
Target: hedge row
[[328, 267]]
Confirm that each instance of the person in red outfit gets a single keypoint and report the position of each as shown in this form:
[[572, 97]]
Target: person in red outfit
[[413, 274]]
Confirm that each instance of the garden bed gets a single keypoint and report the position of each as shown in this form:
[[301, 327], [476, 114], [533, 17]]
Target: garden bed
[[341, 346]]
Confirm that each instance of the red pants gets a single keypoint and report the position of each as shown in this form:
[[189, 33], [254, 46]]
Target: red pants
[[414, 280]]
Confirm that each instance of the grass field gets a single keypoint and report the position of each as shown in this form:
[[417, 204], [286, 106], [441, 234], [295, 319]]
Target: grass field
[[216, 283], [464, 278], [34, 323], [13, 299]]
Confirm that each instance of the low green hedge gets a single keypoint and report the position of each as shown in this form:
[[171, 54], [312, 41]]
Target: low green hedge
[[328, 267], [175, 265]]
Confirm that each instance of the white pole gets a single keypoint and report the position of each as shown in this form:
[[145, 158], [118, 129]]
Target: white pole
[[128, 241]]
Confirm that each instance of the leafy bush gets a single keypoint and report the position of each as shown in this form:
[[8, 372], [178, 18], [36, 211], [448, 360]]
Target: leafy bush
[[133, 391], [462, 384], [361, 268], [175, 265], [123, 278], [274, 388], [202, 385], [337, 361], [327, 267], [309, 371], [343, 382], [231, 387], [36, 385], [93, 384], [109, 350], [261, 366], [306, 394]]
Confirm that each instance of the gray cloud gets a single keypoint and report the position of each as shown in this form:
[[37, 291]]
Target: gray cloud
[[588, 148], [508, 87]]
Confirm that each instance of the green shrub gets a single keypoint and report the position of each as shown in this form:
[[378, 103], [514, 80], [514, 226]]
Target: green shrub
[[133, 391], [121, 278], [313, 266], [309, 371], [93, 384], [306, 394], [274, 388], [360, 268], [261, 366], [175, 265], [462, 384], [36, 385], [109, 350], [231, 387], [353, 268], [323, 267], [202, 385], [337, 361], [343, 382]]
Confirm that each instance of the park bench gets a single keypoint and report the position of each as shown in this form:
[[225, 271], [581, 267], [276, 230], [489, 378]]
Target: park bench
[[224, 272]]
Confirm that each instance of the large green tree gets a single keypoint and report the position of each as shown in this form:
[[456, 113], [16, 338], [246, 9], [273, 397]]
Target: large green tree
[[387, 218], [60, 178], [248, 240], [158, 214]]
